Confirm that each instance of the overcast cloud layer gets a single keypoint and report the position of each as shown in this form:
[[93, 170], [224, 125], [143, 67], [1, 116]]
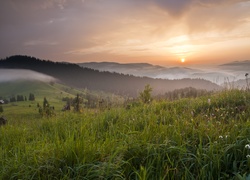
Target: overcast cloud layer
[[154, 31]]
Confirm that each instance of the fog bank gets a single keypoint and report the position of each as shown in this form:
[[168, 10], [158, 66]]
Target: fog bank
[[23, 74]]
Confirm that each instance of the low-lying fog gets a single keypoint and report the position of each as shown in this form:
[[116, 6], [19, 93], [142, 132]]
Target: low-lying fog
[[218, 74], [22, 74]]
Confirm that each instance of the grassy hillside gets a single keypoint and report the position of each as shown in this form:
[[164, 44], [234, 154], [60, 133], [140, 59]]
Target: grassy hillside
[[202, 138], [53, 92], [39, 88], [78, 77]]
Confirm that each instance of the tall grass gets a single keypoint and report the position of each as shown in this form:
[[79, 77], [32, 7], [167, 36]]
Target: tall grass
[[183, 139]]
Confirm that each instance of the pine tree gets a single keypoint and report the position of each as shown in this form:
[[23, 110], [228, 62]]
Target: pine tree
[[31, 97], [1, 109], [13, 99], [46, 110], [45, 103], [77, 103]]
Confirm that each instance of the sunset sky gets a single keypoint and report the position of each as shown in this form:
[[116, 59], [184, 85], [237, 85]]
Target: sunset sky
[[162, 32]]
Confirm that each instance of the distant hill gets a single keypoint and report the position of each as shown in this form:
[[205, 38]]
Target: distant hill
[[231, 71], [143, 69], [237, 66], [79, 77]]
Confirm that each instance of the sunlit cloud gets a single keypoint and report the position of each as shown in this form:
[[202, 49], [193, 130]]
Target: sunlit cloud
[[40, 42]]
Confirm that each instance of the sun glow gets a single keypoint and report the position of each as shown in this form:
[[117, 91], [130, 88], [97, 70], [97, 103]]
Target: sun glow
[[183, 60]]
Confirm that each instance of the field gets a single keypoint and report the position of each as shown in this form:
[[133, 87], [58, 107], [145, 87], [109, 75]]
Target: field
[[195, 138]]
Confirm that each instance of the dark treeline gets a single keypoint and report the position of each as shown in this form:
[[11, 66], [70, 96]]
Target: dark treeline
[[17, 98], [188, 92], [76, 76]]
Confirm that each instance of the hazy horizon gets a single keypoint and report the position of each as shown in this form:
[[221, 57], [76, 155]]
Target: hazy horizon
[[144, 31]]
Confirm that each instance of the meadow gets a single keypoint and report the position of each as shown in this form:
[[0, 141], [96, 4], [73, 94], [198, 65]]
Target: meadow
[[207, 137]]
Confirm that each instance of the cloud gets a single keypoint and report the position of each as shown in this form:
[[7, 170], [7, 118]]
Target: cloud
[[13, 75], [40, 42], [118, 27]]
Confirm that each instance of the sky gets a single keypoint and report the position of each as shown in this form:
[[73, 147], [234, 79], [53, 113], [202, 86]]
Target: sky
[[161, 32]]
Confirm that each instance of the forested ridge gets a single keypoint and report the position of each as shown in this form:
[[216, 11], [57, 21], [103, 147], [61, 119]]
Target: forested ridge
[[76, 76]]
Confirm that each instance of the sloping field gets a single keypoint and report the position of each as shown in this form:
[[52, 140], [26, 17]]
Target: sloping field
[[202, 138]]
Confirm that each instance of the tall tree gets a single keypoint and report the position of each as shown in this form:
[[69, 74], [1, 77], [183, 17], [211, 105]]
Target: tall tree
[[31, 97], [46, 110], [77, 103], [1, 109], [45, 103]]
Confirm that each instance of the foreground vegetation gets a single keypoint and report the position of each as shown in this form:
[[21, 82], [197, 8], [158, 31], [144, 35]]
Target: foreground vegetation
[[194, 138]]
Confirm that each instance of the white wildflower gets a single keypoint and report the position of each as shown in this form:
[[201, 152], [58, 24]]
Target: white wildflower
[[221, 137], [247, 146], [209, 101], [248, 156]]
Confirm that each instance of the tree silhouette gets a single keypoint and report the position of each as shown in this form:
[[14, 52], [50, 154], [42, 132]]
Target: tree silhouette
[[77, 103], [31, 97], [47, 110], [45, 103]]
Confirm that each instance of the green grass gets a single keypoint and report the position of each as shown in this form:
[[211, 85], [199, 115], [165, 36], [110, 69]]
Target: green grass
[[38, 88], [54, 93], [184, 139]]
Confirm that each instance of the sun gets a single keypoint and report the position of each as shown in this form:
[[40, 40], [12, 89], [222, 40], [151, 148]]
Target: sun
[[183, 60]]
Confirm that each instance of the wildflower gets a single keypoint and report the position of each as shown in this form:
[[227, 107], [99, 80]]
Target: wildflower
[[209, 101], [221, 137], [247, 146], [248, 156]]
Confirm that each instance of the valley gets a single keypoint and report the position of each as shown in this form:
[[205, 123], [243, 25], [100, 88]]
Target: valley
[[186, 132]]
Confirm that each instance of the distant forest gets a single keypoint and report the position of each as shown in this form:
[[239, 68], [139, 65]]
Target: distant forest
[[75, 76]]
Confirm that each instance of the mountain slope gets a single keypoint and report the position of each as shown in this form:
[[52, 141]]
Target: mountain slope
[[237, 66], [76, 76]]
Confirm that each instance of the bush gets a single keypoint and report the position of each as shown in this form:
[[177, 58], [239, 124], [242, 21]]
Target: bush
[[145, 95]]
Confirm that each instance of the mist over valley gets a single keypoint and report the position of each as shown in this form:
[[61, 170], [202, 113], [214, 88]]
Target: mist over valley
[[122, 83], [218, 74]]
